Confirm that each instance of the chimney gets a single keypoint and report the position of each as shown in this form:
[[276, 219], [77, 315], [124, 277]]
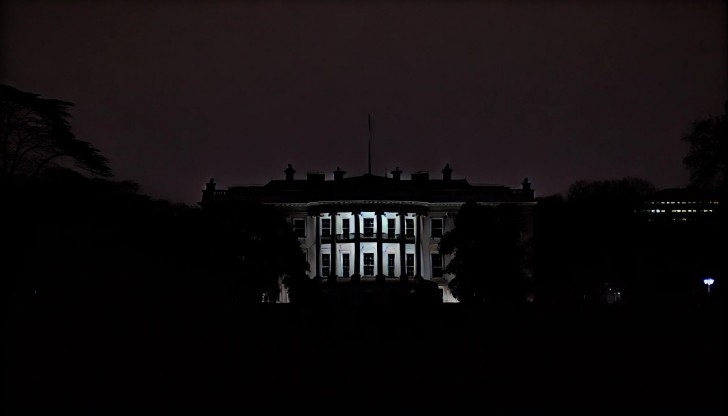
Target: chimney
[[210, 186], [526, 189], [209, 192], [447, 173], [339, 174], [289, 172], [396, 174], [526, 185]]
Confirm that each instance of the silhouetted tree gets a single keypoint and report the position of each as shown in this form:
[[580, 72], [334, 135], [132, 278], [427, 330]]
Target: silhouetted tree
[[68, 232], [303, 289], [622, 194], [707, 159], [35, 132], [425, 292], [488, 261], [553, 277], [605, 233], [707, 162], [257, 245]]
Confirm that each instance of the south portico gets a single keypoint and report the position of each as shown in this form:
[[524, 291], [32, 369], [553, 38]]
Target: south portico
[[366, 239]]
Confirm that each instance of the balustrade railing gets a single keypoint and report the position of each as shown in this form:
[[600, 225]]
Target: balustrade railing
[[367, 236]]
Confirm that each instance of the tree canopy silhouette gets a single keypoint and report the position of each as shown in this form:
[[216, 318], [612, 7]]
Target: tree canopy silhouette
[[257, 245], [707, 159], [608, 194], [605, 232], [488, 261], [35, 133]]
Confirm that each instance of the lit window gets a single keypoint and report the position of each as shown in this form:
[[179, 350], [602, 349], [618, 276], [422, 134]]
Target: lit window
[[345, 227], [368, 227], [437, 227], [299, 227], [325, 227], [391, 228], [325, 264], [436, 265], [345, 263], [368, 264]]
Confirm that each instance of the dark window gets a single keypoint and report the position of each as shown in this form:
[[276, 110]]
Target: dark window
[[409, 227], [391, 227], [325, 264], [325, 227], [368, 227], [299, 227], [436, 227], [436, 265], [345, 227], [390, 265], [345, 264], [368, 264], [410, 264]]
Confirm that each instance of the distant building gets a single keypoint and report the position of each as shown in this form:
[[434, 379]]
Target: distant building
[[372, 226], [681, 205]]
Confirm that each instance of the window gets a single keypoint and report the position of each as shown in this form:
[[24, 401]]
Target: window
[[368, 227], [345, 227], [391, 227], [436, 227], [368, 264], [325, 264], [326, 227], [436, 265], [409, 227], [390, 265], [299, 227], [410, 264], [345, 263]]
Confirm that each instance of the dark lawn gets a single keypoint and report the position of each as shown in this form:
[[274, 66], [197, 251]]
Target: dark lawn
[[101, 358]]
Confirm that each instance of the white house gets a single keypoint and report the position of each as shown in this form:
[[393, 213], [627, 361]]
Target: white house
[[372, 226]]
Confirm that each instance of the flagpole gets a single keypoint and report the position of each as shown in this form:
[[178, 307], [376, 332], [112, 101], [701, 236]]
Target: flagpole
[[370, 143]]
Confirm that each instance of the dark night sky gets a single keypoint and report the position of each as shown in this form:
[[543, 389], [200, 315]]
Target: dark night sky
[[176, 92]]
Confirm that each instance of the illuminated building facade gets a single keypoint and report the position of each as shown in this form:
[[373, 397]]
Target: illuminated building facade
[[369, 227], [681, 205]]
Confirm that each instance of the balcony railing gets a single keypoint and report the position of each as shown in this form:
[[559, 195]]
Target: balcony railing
[[365, 236]]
